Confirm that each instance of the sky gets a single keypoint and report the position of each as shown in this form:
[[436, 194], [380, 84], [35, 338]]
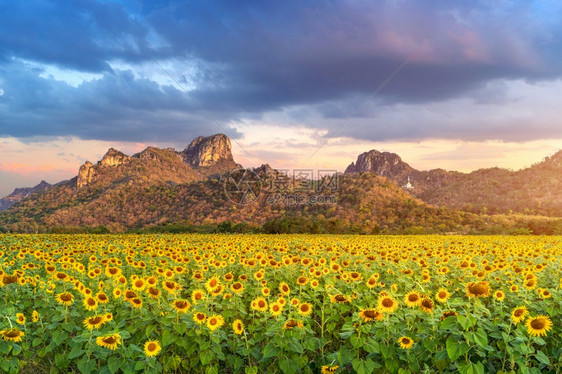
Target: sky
[[459, 85]]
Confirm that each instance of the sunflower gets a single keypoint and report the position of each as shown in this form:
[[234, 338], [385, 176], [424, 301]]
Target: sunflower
[[237, 288], [479, 289], [259, 304], [275, 309], [170, 286], [291, 324], [442, 295], [371, 283], [13, 335], [139, 284], [94, 322], [153, 292], [35, 316], [136, 303], [65, 298], [197, 296], [405, 342], [386, 304], [90, 304], [304, 309], [102, 298], [327, 369], [152, 348], [20, 318], [181, 305], [518, 314], [371, 314], [339, 298], [108, 317], [199, 318], [412, 299], [212, 283], [545, 294], [214, 322], [427, 305], [238, 327], [538, 326], [284, 288], [301, 281], [499, 295], [109, 341]]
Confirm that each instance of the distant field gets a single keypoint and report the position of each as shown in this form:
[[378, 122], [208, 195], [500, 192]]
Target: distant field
[[288, 304]]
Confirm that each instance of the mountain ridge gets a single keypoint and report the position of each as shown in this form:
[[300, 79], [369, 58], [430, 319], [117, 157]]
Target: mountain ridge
[[160, 186]]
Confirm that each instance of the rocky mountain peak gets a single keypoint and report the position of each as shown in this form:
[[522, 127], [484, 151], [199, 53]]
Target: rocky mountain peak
[[208, 151], [385, 164], [85, 174], [114, 157]]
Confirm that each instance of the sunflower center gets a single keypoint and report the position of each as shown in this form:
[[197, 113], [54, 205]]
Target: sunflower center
[[518, 313], [261, 303], [152, 347], [12, 333], [109, 340], [95, 320], [406, 341], [538, 324], [413, 297], [369, 313], [181, 304], [65, 297], [442, 294], [387, 303]]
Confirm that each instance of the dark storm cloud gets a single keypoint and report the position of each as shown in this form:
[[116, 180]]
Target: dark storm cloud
[[116, 106], [255, 57]]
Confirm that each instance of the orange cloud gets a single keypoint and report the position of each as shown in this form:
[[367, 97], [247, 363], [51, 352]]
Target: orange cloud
[[18, 168]]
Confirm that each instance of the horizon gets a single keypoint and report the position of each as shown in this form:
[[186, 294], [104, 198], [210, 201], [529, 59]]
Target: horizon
[[412, 163], [293, 85]]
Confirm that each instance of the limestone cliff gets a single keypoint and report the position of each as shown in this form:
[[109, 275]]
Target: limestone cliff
[[208, 151]]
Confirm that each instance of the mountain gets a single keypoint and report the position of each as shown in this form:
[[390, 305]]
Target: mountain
[[163, 186], [534, 190], [199, 186], [21, 193]]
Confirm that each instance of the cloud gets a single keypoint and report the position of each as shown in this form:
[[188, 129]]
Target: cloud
[[262, 60], [117, 106]]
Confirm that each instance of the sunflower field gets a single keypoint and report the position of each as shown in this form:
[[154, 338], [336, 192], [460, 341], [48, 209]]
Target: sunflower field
[[280, 304]]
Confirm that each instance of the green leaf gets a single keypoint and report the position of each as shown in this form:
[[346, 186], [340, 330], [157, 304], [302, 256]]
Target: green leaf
[[206, 357], [180, 328], [448, 323], [139, 365], [542, 358], [5, 347], [345, 356], [481, 338], [293, 345], [168, 338], [251, 370], [113, 363], [75, 352], [270, 350], [455, 349], [86, 366], [471, 368], [288, 366], [212, 370]]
